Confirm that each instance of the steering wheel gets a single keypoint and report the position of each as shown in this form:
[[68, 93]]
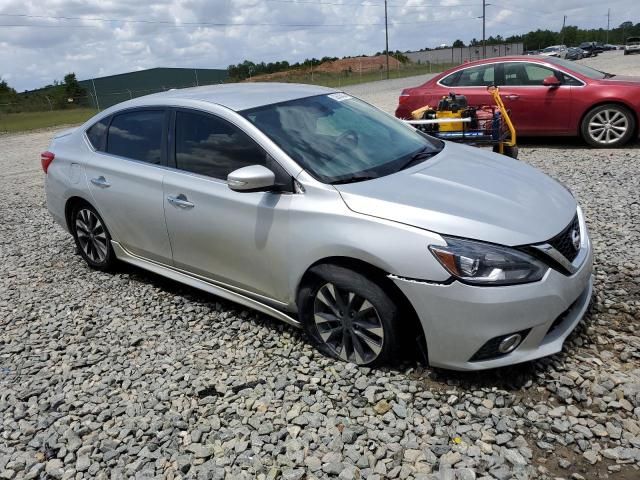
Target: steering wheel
[[348, 137]]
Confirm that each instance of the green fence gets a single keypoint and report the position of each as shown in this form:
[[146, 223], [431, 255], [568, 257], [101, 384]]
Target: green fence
[[106, 91]]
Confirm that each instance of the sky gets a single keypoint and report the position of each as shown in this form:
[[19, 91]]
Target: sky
[[42, 40]]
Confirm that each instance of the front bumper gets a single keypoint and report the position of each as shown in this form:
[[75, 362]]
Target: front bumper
[[458, 319]]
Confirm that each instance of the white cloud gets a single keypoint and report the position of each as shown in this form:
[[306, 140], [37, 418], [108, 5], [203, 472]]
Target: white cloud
[[34, 56]]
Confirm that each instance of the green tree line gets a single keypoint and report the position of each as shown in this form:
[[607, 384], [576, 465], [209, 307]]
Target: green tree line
[[570, 35], [56, 96]]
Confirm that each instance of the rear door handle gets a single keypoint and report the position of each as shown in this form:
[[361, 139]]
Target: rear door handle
[[100, 182], [512, 96], [180, 201]]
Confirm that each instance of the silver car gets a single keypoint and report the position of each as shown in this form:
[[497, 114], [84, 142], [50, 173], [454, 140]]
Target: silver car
[[316, 208]]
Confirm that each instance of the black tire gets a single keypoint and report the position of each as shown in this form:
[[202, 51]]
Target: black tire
[[508, 150], [368, 349], [608, 126], [92, 238]]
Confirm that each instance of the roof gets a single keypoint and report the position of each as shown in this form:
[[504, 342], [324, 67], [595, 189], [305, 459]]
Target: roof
[[243, 96]]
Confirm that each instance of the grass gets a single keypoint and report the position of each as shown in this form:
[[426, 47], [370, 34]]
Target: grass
[[24, 121], [337, 80]]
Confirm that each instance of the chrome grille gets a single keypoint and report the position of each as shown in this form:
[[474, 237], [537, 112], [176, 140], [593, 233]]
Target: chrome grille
[[563, 242]]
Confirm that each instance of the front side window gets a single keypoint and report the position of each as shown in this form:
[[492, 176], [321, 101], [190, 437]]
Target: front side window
[[337, 138], [525, 74], [137, 135], [210, 146]]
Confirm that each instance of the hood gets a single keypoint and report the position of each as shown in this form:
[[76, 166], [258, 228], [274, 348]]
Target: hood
[[468, 192]]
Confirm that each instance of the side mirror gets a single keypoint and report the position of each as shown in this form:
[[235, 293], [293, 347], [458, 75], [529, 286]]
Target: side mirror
[[253, 178], [551, 81]]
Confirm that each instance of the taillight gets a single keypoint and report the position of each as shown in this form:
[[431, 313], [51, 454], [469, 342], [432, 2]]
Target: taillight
[[45, 159], [403, 98]]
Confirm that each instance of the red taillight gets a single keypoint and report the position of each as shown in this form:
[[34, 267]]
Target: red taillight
[[403, 98], [45, 159]]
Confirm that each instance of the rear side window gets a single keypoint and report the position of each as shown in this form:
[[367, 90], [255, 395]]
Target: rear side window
[[210, 146], [451, 80], [97, 134], [137, 135], [480, 76]]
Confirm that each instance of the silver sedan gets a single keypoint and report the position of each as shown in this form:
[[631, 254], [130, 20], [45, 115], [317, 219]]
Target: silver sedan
[[316, 208]]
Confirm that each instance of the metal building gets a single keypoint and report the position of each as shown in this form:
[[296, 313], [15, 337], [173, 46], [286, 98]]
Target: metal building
[[106, 91]]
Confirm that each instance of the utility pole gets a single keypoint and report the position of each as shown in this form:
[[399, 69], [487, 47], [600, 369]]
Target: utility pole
[[386, 36], [608, 19], [484, 43], [564, 21]]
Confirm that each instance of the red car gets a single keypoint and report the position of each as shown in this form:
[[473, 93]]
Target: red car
[[546, 96]]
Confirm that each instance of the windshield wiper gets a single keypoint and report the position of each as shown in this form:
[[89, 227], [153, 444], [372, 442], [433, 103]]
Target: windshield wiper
[[354, 179], [608, 75], [418, 157]]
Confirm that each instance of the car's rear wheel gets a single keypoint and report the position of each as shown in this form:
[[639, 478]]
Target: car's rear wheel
[[608, 126], [349, 316], [92, 238]]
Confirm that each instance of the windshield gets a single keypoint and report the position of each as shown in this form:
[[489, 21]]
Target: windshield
[[551, 49], [579, 68], [338, 138], [633, 40]]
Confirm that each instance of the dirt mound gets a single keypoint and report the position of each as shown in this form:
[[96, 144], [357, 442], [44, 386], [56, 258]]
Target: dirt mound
[[353, 64], [358, 64]]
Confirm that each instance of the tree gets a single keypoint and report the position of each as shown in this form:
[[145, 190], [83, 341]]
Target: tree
[[72, 88], [458, 44]]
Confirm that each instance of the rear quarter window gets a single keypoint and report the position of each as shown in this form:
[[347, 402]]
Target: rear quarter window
[[97, 134]]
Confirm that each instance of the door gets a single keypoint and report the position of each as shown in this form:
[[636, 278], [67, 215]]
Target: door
[[236, 238], [124, 176], [534, 108]]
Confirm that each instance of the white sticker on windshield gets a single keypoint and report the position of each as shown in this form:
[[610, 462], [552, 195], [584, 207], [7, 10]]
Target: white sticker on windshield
[[340, 97]]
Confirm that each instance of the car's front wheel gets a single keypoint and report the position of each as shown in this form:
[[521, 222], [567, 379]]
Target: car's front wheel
[[92, 237], [608, 126], [349, 316]]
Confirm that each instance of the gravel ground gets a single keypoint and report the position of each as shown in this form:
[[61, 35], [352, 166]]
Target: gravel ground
[[615, 61], [128, 375]]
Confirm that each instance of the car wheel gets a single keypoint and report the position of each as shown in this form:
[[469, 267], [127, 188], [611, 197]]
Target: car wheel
[[348, 316], [608, 126], [92, 238]]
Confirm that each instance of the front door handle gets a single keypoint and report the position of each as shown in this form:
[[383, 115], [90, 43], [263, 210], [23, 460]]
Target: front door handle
[[180, 201], [512, 96], [100, 182]]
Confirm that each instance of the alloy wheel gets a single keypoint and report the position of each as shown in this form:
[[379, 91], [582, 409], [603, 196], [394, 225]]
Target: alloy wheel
[[608, 126], [348, 324], [92, 235]]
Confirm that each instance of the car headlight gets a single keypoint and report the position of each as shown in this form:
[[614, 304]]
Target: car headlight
[[481, 263]]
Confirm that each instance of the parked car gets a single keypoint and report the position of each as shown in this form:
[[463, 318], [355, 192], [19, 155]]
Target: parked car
[[592, 48], [547, 96], [607, 47], [316, 208], [632, 45], [559, 51], [575, 53]]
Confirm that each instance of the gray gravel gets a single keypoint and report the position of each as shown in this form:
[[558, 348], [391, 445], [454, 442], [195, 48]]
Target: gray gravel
[[128, 375]]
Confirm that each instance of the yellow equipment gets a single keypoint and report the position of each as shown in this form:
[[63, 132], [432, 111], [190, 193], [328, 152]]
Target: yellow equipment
[[454, 120]]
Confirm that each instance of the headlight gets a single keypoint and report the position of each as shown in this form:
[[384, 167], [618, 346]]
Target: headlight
[[486, 264]]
